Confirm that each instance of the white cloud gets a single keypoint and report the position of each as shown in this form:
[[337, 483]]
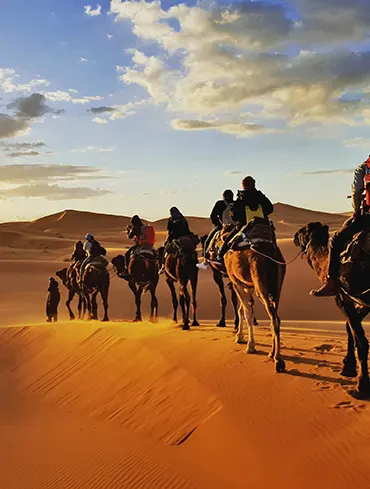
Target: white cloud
[[236, 128], [31, 173], [9, 85], [92, 149], [83, 60], [91, 12], [238, 58], [358, 143], [62, 96], [54, 192], [100, 120], [109, 36]]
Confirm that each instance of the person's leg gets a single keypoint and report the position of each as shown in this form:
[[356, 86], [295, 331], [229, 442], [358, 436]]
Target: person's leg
[[336, 245], [225, 247]]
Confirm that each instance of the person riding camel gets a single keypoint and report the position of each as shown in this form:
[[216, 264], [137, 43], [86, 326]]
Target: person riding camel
[[142, 235], [221, 215], [93, 249], [359, 220], [251, 203], [177, 227], [79, 254]]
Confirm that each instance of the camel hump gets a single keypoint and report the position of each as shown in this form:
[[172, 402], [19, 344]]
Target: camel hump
[[357, 247]]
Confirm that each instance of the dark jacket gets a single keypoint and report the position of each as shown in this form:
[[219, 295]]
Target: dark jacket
[[177, 228], [217, 213], [251, 199], [135, 232], [78, 255]]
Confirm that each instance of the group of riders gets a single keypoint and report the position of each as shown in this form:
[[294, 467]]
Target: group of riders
[[235, 216]]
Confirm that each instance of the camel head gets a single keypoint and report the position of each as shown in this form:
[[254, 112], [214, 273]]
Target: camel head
[[62, 274], [313, 233], [119, 263]]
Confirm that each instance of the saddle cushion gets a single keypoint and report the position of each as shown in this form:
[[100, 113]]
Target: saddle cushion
[[359, 245], [98, 261], [259, 230], [145, 251], [185, 244]]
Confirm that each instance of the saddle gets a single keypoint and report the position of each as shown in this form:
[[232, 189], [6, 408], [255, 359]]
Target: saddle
[[98, 262], [218, 240], [359, 245], [146, 252], [185, 244], [258, 230]]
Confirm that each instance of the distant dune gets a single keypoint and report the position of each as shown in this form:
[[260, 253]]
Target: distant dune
[[60, 230]]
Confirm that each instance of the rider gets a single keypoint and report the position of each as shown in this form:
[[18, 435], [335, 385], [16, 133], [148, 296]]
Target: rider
[[135, 233], [177, 227], [221, 215], [251, 203], [79, 254], [359, 220], [92, 248]]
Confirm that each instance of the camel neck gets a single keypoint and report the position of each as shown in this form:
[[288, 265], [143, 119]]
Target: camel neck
[[318, 257]]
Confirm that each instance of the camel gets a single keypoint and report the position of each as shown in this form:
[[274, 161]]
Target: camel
[[353, 297], [69, 278], [219, 273], [95, 280], [180, 268], [250, 271], [143, 277]]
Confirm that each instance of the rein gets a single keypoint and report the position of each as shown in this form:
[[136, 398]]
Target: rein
[[302, 252]]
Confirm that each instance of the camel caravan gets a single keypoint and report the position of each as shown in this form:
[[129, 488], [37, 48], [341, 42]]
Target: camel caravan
[[242, 250]]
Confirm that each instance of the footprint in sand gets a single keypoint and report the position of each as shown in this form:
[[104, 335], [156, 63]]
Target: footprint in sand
[[344, 405], [324, 347], [323, 386]]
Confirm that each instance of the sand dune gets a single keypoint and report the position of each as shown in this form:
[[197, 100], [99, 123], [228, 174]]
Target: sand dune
[[148, 406], [139, 406]]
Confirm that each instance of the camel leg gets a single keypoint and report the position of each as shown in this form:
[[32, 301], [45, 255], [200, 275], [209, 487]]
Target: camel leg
[[137, 291], [175, 302], [193, 286], [362, 347], [94, 305], [255, 322], [349, 362], [88, 304], [104, 298], [81, 306], [153, 304], [234, 300], [185, 305], [217, 277], [245, 315], [271, 309], [71, 294]]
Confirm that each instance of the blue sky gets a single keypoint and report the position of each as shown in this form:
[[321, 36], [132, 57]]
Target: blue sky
[[203, 95]]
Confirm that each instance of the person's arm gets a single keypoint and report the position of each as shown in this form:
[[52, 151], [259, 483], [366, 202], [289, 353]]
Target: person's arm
[[215, 215], [358, 187], [239, 213], [169, 230], [267, 205], [186, 226]]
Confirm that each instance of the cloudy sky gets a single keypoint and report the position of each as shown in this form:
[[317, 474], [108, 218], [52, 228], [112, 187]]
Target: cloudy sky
[[132, 107]]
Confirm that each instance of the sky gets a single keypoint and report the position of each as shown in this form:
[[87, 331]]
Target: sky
[[131, 107]]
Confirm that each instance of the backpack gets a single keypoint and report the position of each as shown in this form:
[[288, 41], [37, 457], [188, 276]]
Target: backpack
[[147, 235], [227, 215]]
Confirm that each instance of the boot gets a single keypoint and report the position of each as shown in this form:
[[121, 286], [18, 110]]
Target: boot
[[328, 289], [203, 265]]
